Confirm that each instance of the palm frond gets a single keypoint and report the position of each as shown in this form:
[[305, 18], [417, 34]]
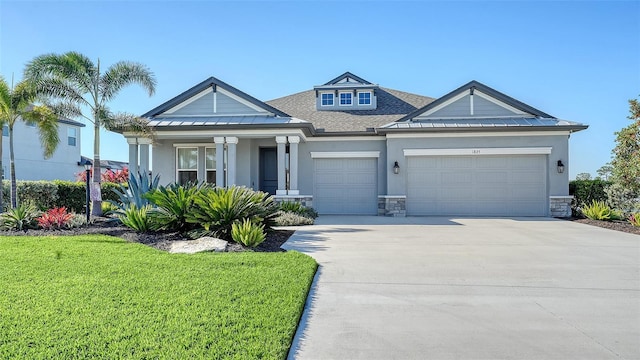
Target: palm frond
[[47, 123], [22, 96], [5, 100], [125, 73], [72, 66], [122, 122], [66, 109], [56, 88]]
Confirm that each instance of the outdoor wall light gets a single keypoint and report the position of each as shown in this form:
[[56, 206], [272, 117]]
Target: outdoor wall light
[[396, 168], [560, 167]]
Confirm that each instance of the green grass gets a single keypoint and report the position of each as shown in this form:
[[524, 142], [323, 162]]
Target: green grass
[[101, 297]]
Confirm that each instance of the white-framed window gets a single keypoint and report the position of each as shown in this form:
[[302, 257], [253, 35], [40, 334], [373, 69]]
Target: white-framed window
[[5, 130], [31, 124], [326, 99], [186, 164], [345, 98], [364, 98], [72, 136], [210, 164]]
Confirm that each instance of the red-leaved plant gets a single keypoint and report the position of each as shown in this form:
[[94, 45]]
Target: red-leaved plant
[[55, 218], [118, 176], [634, 219]]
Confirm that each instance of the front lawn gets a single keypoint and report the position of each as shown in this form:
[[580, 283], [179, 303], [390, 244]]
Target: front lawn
[[96, 296]]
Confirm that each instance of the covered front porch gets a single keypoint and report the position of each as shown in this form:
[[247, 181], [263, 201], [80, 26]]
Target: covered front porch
[[267, 161]]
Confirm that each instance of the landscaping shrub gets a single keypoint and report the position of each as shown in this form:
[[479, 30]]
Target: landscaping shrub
[[634, 219], [108, 191], [42, 194], [297, 208], [22, 217], [77, 220], [133, 192], [285, 218], [598, 210], [136, 218], [586, 191], [56, 218], [173, 203], [108, 208], [216, 209], [622, 198], [247, 233], [72, 195]]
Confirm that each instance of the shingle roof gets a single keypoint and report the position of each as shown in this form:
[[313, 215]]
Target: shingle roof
[[392, 106]]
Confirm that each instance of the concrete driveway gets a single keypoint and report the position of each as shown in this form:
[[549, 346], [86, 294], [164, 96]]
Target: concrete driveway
[[462, 288]]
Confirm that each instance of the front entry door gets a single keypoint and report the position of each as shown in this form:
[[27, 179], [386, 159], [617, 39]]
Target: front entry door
[[269, 170]]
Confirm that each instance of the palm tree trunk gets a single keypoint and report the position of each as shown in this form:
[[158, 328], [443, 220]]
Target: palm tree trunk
[[12, 170], [96, 205]]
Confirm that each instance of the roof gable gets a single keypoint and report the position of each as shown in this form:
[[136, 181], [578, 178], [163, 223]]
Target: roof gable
[[348, 78], [474, 100], [213, 97]]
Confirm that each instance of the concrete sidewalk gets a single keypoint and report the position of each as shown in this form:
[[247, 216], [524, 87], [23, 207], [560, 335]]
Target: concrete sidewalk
[[461, 288]]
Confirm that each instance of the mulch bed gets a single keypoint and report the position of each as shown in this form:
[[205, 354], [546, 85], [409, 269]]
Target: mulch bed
[[159, 240], [618, 225]]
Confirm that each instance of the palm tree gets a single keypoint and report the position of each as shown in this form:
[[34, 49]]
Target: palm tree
[[17, 103], [74, 83]]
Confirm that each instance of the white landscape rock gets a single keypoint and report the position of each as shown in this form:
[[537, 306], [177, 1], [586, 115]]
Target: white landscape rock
[[205, 243]]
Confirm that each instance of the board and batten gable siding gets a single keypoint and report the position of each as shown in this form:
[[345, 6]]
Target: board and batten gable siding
[[462, 108], [484, 107], [557, 183], [225, 105], [458, 108]]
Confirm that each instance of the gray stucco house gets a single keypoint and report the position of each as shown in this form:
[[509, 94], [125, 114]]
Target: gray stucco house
[[353, 147], [28, 152]]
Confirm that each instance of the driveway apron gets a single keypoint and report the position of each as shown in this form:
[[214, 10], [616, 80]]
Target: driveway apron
[[465, 288]]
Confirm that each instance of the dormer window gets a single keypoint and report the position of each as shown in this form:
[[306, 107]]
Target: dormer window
[[327, 99], [346, 92], [345, 99], [364, 98]]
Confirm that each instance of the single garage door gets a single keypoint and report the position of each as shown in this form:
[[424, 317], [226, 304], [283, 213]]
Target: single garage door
[[345, 186], [496, 185]]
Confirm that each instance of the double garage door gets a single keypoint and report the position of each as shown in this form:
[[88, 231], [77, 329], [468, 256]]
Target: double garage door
[[495, 185], [345, 186]]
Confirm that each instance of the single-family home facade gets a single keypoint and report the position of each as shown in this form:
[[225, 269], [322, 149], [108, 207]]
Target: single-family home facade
[[30, 163], [350, 146]]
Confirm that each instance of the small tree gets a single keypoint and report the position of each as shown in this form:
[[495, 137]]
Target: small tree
[[626, 154], [17, 103], [583, 176], [83, 88], [605, 171]]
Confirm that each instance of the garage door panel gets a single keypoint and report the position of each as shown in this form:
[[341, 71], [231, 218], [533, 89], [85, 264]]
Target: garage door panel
[[495, 177], [345, 186], [463, 177], [456, 162], [501, 185]]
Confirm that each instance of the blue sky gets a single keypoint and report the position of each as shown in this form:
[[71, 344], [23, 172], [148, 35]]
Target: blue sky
[[575, 60]]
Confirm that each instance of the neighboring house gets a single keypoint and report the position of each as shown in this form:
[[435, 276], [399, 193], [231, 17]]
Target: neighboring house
[[105, 165], [30, 163], [353, 147]]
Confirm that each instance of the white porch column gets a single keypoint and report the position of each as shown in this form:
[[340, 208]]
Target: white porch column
[[293, 165], [219, 161], [282, 173], [133, 155], [231, 159], [144, 155]]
